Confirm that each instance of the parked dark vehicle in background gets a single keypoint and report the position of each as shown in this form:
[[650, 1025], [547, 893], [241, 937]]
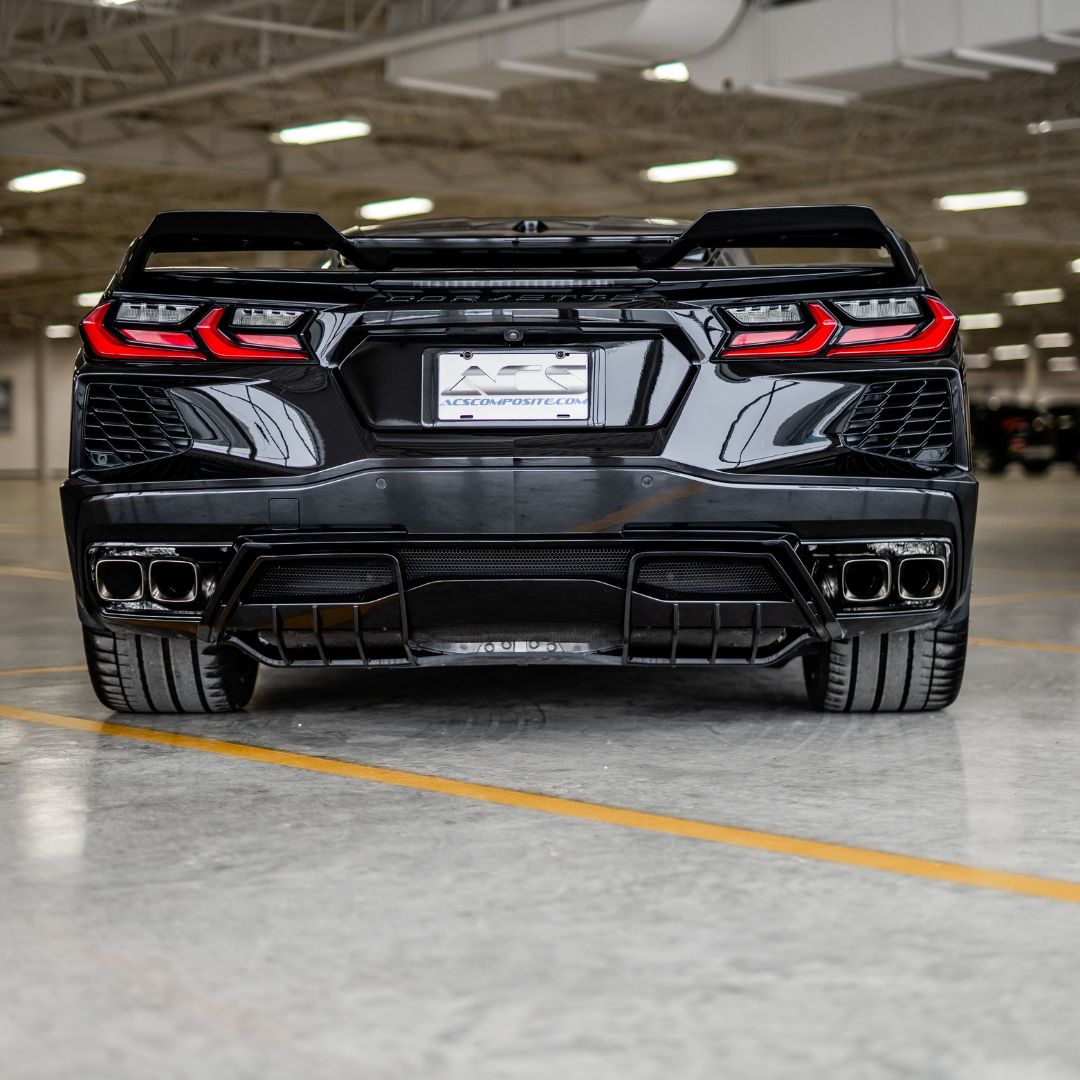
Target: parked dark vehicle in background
[[566, 441], [1066, 428], [1002, 434]]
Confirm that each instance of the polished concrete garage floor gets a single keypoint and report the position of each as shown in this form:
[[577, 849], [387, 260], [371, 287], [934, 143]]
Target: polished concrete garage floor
[[199, 908]]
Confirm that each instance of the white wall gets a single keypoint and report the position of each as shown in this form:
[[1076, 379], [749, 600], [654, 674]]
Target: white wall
[[19, 447]]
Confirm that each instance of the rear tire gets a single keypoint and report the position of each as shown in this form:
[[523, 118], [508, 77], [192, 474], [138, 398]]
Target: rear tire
[[906, 671], [141, 673], [1036, 468]]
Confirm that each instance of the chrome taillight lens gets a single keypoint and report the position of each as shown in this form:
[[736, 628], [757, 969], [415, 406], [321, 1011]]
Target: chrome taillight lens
[[880, 307]]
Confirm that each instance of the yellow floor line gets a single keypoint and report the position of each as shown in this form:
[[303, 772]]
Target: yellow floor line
[[35, 572], [1019, 598], [12, 672], [777, 843], [1033, 646]]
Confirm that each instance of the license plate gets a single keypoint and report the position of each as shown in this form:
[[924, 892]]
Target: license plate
[[512, 387]]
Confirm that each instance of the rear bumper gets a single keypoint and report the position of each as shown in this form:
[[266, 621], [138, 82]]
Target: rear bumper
[[385, 510]]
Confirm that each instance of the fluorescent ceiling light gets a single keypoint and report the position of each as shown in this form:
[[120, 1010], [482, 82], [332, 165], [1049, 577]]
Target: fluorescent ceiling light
[[88, 299], [1062, 363], [1027, 297], [676, 71], [984, 320], [60, 330], [327, 131], [116, 3], [49, 180], [982, 200], [1074, 266], [395, 208], [1011, 352], [1006, 60], [977, 361], [1048, 127], [691, 170], [441, 86], [1053, 341], [812, 95]]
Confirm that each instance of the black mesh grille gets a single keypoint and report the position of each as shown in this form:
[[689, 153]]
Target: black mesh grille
[[909, 419], [679, 578], [130, 424], [351, 579], [606, 562]]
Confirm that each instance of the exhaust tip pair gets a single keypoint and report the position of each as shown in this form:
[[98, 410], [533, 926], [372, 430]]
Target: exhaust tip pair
[[918, 577], [169, 581]]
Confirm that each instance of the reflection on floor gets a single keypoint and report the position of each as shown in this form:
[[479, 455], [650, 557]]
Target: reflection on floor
[[164, 912]]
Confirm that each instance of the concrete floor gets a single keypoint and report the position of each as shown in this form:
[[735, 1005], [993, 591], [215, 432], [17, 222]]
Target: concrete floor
[[170, 913]]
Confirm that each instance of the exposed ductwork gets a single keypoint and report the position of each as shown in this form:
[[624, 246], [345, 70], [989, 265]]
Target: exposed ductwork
[[788, 50], [575, 45], [794, 50]]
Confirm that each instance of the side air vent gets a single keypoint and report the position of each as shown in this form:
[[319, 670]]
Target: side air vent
[[131, 424], [703, 578], [910, 419]]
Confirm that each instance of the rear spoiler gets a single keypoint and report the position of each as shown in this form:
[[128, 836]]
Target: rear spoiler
[[837, 226], [840, 225]]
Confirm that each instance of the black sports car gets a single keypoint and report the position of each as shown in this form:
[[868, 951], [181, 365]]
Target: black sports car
[[610, 441]]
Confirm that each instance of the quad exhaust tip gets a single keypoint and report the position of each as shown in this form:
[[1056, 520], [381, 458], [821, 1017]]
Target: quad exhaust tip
[[174, 581], [865, 580], [119, 579], [169, 581], [921, 577]]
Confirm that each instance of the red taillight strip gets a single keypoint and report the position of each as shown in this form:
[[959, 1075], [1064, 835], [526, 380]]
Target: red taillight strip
[[809, 343], [931, 339], [104, 344], [762, 337], [288, 342], [224, 348], [170, 339], [857, 335]]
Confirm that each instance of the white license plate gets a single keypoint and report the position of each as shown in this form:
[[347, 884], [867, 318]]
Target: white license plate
[[512, 386]]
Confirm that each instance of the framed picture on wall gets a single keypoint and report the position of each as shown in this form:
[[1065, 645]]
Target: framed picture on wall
[[5, 406]]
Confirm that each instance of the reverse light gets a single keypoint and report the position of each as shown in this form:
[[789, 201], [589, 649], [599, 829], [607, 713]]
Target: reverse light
[[265, 318], [770, 314], [143, 312], [888, 307]]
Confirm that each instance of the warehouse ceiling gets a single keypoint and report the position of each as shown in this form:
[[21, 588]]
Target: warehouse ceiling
[[168, 104]]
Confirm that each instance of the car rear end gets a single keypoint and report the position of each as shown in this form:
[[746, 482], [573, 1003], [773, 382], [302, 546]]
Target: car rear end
[[564, 442]]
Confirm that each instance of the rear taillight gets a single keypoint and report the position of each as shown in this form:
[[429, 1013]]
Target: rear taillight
[[780, 343], [246, 346], [900, 328], [108, 338], [932, 338], [110, 345]]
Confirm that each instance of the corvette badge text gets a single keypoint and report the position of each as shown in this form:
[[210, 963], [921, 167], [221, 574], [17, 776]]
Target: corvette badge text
[[507, 387]]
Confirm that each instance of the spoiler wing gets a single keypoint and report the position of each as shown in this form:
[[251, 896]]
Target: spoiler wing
[[837, 226]]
